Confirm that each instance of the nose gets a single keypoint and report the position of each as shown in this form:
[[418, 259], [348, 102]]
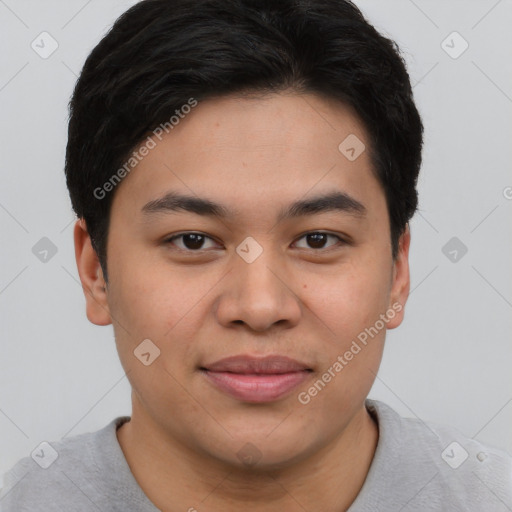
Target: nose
[[259, 295]]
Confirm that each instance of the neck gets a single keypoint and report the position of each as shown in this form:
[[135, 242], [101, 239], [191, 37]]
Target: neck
[[177, 478]]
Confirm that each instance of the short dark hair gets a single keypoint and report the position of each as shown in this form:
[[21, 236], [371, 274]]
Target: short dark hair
[[161, 53]]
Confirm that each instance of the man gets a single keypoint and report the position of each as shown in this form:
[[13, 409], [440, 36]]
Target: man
[[243, 173]]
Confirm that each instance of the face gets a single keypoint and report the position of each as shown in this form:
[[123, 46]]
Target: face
[[255, 255]]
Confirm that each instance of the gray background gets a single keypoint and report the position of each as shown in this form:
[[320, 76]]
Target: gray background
[[448, 363]]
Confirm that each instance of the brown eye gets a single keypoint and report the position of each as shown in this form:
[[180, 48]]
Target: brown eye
[[318, 240], [190, 241], [193, 241]]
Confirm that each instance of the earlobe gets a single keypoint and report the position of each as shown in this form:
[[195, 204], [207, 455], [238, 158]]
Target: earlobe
[[91, 276], [401, 281]]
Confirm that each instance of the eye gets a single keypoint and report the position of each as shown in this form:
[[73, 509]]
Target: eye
[[191, 241], [318, 240]]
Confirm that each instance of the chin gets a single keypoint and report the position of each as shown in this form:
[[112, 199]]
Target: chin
[[257, 451]]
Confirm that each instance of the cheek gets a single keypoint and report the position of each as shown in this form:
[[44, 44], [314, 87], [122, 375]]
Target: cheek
[[146, 307], [351, 307], [165, 307], [152, 299], [351, 300]]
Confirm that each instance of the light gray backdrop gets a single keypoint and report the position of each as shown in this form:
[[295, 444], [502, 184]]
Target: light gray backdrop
[[450, 362]]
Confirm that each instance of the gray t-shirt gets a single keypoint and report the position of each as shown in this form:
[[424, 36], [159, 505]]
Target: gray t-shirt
[[417, 467]]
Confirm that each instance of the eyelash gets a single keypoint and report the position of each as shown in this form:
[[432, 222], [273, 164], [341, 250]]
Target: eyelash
[[341, 241]]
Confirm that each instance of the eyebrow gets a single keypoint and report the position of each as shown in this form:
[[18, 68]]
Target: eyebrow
[[173, 202], [334, 201]]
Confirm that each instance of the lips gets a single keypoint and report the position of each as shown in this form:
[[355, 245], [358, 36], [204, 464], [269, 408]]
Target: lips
[[256, 380]]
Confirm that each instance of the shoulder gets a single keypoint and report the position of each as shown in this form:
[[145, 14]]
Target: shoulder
[[436, 467], [59, 474]]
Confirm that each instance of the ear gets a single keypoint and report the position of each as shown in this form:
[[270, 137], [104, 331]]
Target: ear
[[91, 276], [401, 281]]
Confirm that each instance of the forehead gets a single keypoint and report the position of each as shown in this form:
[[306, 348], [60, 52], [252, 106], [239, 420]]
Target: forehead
[[255, 152]]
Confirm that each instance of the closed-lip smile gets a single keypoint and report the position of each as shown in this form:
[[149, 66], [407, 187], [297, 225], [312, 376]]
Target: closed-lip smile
[[256, 379]]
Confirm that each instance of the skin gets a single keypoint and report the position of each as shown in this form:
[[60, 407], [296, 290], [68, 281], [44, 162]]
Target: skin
[[254, 155]]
